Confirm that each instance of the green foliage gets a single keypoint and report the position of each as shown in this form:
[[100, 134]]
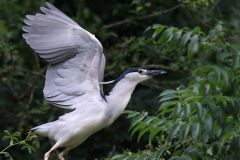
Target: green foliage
[[200, 120], [15, 141], [197, 43]]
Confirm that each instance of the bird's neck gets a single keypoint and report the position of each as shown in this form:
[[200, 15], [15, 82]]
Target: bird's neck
[[119, 97]]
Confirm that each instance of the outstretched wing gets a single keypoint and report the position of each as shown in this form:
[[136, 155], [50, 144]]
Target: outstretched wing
[[75, 56]]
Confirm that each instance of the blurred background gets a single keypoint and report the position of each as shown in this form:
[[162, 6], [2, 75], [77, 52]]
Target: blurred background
[[119, 26]]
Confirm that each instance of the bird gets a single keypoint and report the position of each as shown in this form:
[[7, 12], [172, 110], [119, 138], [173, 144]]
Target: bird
[[74, 79]]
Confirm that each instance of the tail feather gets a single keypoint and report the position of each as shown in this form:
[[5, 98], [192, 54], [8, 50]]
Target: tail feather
[[42, 130]]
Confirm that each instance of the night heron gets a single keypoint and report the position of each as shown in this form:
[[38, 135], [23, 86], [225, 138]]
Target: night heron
[[74, 79]]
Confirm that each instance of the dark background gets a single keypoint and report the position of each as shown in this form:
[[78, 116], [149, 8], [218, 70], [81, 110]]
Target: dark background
[[22, 72]]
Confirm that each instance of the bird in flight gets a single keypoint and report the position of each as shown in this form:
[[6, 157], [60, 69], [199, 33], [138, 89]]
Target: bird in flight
[[74, 79]]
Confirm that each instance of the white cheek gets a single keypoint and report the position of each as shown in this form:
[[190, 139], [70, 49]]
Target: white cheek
[[143, 77]]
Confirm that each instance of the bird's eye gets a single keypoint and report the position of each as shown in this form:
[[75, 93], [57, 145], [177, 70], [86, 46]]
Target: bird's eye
[[140, 71]]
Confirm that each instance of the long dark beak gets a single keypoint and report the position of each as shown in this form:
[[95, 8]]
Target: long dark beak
[[153, 72]]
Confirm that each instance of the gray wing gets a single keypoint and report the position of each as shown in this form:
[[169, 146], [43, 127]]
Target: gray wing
[[75, 57]]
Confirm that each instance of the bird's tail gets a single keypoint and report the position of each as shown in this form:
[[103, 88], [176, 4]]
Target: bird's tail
[[42, 130]]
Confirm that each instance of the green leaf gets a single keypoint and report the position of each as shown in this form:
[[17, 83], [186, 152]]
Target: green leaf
[[165, 36], [175, 39], [218, 72], [166, 104], [177, 111], [22, 143], [186, 112], [210, 151], [224, 139], [225, 77], [148, 120], [218, 29], [14, 138], [207, 86], [168, 97], [158, 122], [6, 137], [16, 134], [158, 30], [176, 153], [190, 99], [173, 131], [184, 40], [153, 133], [185, 130], [140, 126], [7, 132], [235, 62], [223, 55], [136, 120], [168, 92], [196, 30], [11, 142], [192, 47], [208, 125], [37, 143], [132, 114], [122, 156], [212, 34], [30, 149], [160, 151], [221, 118], [154, 155], [195, 130], [144, 157], [143, 132], [184, 157], [199, 111]]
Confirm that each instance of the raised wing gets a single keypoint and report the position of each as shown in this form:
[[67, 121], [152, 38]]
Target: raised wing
[[75, 57]]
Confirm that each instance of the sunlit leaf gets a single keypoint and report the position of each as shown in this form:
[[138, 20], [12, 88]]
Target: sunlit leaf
[[158, 30], [165, 35], [175, 39], [184, 40]]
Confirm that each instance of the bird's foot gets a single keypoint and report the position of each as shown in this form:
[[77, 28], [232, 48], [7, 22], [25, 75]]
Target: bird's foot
[[47, 155], [61, 156]]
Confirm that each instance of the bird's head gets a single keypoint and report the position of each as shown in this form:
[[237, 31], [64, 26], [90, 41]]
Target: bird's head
[[135, 75], [138, 74]]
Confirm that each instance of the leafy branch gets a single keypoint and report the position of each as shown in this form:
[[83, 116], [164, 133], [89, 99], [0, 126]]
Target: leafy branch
[[13, 137]]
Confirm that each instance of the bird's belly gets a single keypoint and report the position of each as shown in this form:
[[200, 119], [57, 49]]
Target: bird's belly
[[81, 133]]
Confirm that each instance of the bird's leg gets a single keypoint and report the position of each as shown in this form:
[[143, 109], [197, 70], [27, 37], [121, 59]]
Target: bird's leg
[[62, 153], [47, 155], [53, 148]]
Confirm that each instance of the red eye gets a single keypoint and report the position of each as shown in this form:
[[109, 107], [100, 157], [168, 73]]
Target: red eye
[[140, 71]]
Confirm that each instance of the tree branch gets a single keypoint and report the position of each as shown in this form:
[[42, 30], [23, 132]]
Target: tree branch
[[139, 18]]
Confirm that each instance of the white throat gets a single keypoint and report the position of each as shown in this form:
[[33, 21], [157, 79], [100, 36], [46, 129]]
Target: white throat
[[119, 97]]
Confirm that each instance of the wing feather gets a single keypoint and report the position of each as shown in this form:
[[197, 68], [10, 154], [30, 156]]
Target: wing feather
[[75, 55]]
